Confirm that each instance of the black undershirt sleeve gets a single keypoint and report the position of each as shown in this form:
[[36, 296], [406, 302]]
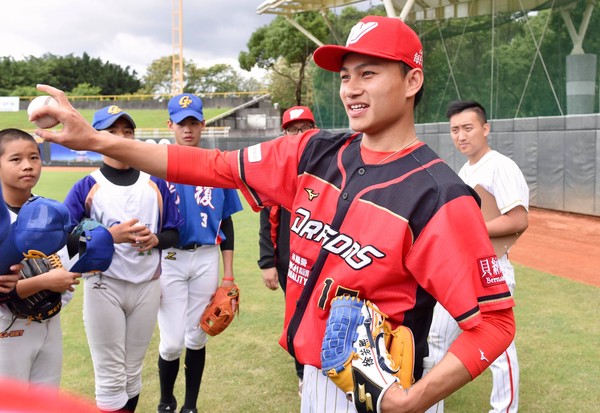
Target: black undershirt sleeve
[[227, 228], [167, 239]]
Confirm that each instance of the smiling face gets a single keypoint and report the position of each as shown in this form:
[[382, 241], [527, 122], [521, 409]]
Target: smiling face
[[187, 132], [379, 97], [469, 133], [20, 169]]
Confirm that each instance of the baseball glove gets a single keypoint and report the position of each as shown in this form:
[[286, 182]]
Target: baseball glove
[[219, 313], [41, 305], [362, 355]]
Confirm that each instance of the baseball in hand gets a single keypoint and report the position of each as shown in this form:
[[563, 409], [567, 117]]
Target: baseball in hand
[[47, 121], [140, 226]]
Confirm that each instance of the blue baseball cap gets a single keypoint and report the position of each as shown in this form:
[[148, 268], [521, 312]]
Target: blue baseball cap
[[105, 117], [185, 105], [96, 247], [42, 225]]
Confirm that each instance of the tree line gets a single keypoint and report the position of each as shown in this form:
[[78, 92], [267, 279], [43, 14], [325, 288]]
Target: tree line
[[87, 76]]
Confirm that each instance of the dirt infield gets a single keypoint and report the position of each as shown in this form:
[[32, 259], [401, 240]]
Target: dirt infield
[[563, 244]]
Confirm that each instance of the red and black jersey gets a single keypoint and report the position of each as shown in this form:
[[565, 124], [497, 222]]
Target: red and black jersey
[[402, 234]]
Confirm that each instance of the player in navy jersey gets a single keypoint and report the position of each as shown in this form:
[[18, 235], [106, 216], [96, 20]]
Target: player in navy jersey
[[120, 305], [191, 269], [375, 214]]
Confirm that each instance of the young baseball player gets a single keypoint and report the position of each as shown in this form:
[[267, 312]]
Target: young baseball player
[[29, 350], [120, 305], [375, 214], [191, 268], [500, 176], [274, 233]]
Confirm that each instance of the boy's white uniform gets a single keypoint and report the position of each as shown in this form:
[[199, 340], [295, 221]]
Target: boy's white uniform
[[120, 305], [500, 176], [30, 351]]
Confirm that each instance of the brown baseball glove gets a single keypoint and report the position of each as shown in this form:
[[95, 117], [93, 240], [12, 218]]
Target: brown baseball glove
[[41, 305], [219, 313]]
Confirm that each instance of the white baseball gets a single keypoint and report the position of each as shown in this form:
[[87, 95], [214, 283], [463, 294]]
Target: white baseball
[[47, 121], [140, 225]]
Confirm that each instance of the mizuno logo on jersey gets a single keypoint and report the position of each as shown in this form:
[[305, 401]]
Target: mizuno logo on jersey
[[311, 194], [355, 255]]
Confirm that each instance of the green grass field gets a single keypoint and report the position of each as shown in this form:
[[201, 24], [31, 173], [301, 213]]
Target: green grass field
[[558, 334], [146, 118]]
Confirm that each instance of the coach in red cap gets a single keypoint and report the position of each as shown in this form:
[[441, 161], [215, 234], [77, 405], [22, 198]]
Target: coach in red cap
[[297, 119], [376, 216]]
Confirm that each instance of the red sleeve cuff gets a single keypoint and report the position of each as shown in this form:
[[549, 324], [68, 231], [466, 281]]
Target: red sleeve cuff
[[478, 347]]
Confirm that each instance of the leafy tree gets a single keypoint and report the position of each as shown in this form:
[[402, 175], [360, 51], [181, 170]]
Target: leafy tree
[[279, 39], [159, 75], [66, 72], [217, 78], [282, 84], [25, 91], [85, 89]]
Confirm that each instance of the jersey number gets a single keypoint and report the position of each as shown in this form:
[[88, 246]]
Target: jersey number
[[338, 292], [204, 217]]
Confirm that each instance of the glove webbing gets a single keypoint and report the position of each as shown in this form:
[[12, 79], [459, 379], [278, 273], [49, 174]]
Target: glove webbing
[[54, 261]]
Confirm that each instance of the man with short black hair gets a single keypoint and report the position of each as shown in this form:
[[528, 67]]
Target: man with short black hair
[[376, 215]]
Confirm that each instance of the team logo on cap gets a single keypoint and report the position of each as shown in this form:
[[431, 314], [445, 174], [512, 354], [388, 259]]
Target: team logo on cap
[[113, 110], [359, 30], [185, 101], [296, 113]]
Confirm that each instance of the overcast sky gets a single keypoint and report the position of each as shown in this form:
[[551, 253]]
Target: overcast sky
[[128, 32]]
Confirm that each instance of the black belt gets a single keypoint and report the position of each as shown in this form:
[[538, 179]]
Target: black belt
[[190, 247]]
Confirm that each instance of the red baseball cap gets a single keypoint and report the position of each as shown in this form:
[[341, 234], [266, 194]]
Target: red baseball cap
[[385, 37], [296, 113]]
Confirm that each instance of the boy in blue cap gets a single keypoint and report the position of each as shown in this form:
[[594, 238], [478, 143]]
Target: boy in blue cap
[[121, 303], [191, 269]]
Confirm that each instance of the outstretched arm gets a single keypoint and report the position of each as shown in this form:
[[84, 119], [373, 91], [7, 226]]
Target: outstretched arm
[[78, 134]]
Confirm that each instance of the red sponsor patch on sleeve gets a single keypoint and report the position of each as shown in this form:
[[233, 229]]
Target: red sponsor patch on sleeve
[[489, 271]]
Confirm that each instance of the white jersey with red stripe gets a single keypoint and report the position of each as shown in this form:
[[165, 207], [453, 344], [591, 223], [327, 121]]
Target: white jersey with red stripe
[[500, 176]]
